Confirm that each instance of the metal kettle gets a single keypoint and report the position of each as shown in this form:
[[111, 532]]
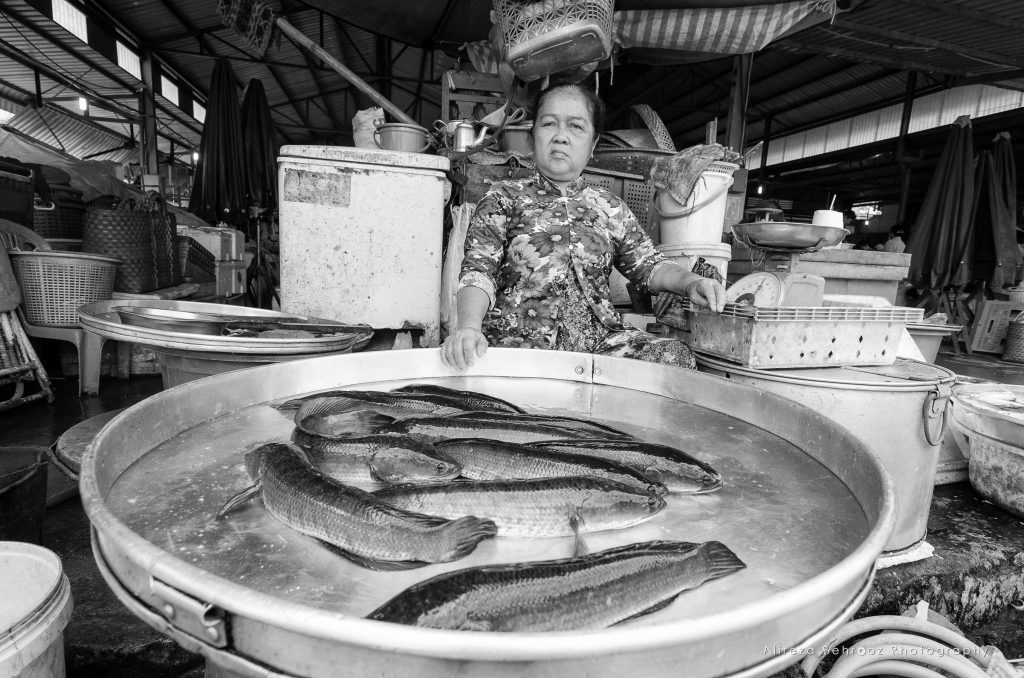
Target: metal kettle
[[465, 136]]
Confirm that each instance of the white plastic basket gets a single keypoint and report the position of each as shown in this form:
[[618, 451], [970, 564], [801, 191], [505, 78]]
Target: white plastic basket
[[800, 337]]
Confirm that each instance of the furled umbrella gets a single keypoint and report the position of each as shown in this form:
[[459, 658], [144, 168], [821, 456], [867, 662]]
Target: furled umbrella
[[940, 238], [995, 253], [261, 147], [218, 188]]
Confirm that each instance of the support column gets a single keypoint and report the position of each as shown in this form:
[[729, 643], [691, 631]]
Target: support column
[[901, 146], [761, 172], [736, 135], [147, 111]]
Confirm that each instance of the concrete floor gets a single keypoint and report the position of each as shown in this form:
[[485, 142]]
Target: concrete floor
[[103, 639]]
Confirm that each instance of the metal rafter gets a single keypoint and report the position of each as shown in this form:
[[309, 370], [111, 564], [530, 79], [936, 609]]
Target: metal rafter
[[324, 107], [960, 50], [875, 57]]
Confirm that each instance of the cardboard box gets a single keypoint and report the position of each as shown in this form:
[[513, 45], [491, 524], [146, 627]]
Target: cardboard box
[[230, 277]]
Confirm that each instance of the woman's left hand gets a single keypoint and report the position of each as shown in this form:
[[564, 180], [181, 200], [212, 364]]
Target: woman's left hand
[[707, 293]]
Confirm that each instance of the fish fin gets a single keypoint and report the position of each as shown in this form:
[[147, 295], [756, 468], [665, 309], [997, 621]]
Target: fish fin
[[372, 564], [721, 561], [475, 624], [468, 532], [579, 544], [336, 405], [239, 499], [660, 605]]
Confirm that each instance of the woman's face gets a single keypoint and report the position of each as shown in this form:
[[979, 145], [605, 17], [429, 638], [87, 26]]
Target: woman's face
[[563, 136]]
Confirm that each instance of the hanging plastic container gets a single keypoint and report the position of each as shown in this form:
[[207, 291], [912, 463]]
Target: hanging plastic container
[[899, 410], [36, 607], [702, 218]]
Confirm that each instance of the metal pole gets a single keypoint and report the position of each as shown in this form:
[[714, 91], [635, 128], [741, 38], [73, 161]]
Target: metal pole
[[901, 145]]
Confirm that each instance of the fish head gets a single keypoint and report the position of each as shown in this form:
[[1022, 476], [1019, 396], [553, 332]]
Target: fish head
[[256, 460], [620, 505], [685, 478], [403, 464]]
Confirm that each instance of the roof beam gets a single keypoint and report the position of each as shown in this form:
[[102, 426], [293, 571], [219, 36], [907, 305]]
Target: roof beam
[[857, 55], [991, 58]]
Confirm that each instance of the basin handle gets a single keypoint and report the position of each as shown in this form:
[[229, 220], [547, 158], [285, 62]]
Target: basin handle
[[935, 407]]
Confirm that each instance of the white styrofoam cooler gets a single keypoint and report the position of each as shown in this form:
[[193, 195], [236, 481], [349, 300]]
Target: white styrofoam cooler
[[361, 236]]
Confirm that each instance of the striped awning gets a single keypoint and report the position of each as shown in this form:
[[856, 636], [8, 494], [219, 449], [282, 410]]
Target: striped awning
[[694, 34], [715, 32]]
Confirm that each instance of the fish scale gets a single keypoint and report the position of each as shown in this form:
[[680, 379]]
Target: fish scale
[[354, 520], [441, 428], [532, 508], [586, 592]]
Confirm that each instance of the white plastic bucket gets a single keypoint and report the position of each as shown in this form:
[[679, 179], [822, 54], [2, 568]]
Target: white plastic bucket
[[702, 218], [36, 607], [717, 254]]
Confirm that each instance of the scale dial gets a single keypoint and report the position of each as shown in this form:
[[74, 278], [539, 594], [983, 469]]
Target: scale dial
[[762, 288]]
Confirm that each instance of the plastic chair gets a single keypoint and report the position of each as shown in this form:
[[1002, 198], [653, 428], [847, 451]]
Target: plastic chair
[[88, 345]]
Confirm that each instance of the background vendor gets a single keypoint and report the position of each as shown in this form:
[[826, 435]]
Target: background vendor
[[539, 252]]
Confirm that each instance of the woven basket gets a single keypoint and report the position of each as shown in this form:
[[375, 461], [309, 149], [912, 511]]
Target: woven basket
[[55, 284], [128, 235], [197, 263], [62, 217], [1014, 351], [554, 35]]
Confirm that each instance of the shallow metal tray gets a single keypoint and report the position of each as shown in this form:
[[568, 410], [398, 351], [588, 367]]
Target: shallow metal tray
[[806, 505], [785, 235], [102, 318]]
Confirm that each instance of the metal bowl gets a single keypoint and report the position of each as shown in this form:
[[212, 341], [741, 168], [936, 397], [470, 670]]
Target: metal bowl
[[188, 322], [256, 599], [786, 235]]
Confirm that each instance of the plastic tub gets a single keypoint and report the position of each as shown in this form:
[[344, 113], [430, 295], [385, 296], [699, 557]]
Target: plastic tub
[[22, 493], [702, 218], [36, 607], [717, 254], [899, 410]]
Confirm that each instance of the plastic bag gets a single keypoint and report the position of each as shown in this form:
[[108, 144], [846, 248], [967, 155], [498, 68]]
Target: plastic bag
[[364, 123]]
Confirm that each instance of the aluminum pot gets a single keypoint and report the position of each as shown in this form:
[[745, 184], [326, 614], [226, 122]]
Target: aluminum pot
[[278, 604]]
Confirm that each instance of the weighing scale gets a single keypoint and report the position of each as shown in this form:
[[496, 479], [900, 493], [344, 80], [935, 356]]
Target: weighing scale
[[780, 245]]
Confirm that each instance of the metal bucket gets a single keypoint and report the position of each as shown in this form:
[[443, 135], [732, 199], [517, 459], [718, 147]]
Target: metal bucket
[[807, 507], [899, 410]]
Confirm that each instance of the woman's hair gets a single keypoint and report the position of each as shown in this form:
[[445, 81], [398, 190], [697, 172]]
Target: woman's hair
[[594, 104]]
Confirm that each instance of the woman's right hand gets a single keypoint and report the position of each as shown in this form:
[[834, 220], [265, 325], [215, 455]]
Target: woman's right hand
[[462, 347]]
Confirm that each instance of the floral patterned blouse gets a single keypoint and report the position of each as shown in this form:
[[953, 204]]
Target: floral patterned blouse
[[527, 241]]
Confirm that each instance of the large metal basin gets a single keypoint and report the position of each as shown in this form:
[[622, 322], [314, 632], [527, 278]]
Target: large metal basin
[[807, 506]]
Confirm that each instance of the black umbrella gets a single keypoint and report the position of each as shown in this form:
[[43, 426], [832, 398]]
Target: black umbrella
[[994, 243], [261, 147], [218, 188], [939, 241]]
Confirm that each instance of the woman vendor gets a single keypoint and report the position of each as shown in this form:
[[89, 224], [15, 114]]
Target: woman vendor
[[539, 251]]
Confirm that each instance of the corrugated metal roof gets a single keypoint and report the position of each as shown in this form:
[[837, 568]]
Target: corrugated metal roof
[[73, 135]]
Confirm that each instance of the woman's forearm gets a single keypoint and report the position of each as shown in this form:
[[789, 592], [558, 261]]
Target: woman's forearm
[[472, 304], [672, 278]]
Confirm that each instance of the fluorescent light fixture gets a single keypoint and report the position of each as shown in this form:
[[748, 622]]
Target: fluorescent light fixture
[[195, 156], [760, 189], [83, 105]]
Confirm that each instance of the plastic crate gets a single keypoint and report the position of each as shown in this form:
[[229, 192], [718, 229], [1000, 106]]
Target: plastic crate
[[55, 284], [197, 262], [988, 334], [800, 337], [631, 188]]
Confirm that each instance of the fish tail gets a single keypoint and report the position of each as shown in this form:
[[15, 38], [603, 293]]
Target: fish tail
[[720, 560], [466, 532]]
